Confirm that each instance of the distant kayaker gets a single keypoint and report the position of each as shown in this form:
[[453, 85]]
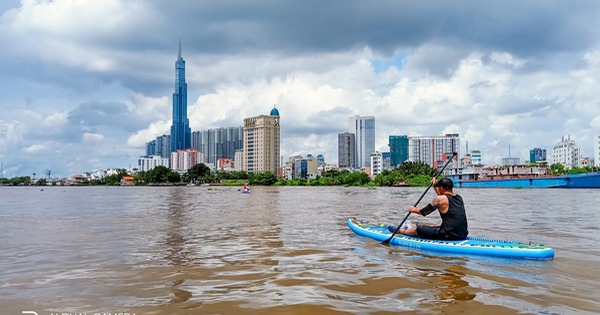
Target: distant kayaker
[[245, 187], [452, 211]]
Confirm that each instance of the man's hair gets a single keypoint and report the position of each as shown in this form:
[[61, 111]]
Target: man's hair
[[445, 183]]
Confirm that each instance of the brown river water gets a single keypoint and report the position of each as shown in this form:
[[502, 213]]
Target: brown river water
[[285, 250]]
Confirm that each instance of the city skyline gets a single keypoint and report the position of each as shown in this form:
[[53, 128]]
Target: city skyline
[[75, 98]]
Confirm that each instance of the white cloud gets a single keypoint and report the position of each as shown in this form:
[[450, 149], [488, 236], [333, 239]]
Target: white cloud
[[36, 148], [150, 107], [72, 33], [592, 58], [139, 139], [10, 135], [595, 123], [506, 59], [92, 138], [101, 73]]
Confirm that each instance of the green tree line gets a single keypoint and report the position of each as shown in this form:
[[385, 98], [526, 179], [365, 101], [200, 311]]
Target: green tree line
[[406, 174]]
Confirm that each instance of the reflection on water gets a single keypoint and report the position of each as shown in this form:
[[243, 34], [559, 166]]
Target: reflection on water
[[176, 240], [449, 283], [283, 250]]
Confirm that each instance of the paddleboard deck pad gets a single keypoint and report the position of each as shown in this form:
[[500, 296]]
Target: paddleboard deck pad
[[470, 246]]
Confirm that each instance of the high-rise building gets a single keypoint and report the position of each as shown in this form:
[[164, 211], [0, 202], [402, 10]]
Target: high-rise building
[[262, 143], [596, 149], [151, 148], [346, 150], [567, 153], [183, 160], [398, 150], [160, 146], [218, 143], [239, 160], [180, 129], [363, 128], [146, 163], [376, 163], [386, 157], [434, 150], [537, 155]]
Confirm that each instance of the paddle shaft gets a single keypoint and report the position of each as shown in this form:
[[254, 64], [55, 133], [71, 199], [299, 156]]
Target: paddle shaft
[[421, 198]]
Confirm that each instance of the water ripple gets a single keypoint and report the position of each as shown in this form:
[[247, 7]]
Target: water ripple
[[284, 250]]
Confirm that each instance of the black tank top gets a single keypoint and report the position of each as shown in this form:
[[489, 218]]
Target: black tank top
[[454, 221]]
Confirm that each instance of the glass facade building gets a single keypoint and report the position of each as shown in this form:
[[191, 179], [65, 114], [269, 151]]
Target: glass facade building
[[161, 146], [537, 155], [398, 150], [180, 129], [363, 128]]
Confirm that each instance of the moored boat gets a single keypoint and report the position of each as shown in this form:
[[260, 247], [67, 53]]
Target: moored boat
[[583, 180]]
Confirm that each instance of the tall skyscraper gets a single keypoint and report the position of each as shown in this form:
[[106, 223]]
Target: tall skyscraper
[[363, 128], [180, 129], [262, 143], [398, 150], [346, 150]]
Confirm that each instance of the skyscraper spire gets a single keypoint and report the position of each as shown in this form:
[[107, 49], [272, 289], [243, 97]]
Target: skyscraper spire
[[179, 56]]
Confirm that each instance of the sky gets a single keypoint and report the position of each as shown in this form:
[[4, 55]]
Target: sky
[[84, 84]]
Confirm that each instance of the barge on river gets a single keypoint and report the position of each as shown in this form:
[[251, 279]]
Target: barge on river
[[583, 180]]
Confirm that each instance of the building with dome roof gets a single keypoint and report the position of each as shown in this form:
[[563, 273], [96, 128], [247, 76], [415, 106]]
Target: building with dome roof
[[262, 143]]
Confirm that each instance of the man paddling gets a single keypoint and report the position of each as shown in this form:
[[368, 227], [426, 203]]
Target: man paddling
[[452, 211]]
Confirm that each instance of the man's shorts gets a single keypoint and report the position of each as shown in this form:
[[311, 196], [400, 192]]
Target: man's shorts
[[434, 233], [431, 232]]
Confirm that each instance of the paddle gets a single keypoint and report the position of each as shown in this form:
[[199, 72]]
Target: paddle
[[423, 195]]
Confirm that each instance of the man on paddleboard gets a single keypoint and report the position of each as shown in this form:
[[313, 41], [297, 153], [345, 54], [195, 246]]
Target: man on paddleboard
[[452, 211]]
